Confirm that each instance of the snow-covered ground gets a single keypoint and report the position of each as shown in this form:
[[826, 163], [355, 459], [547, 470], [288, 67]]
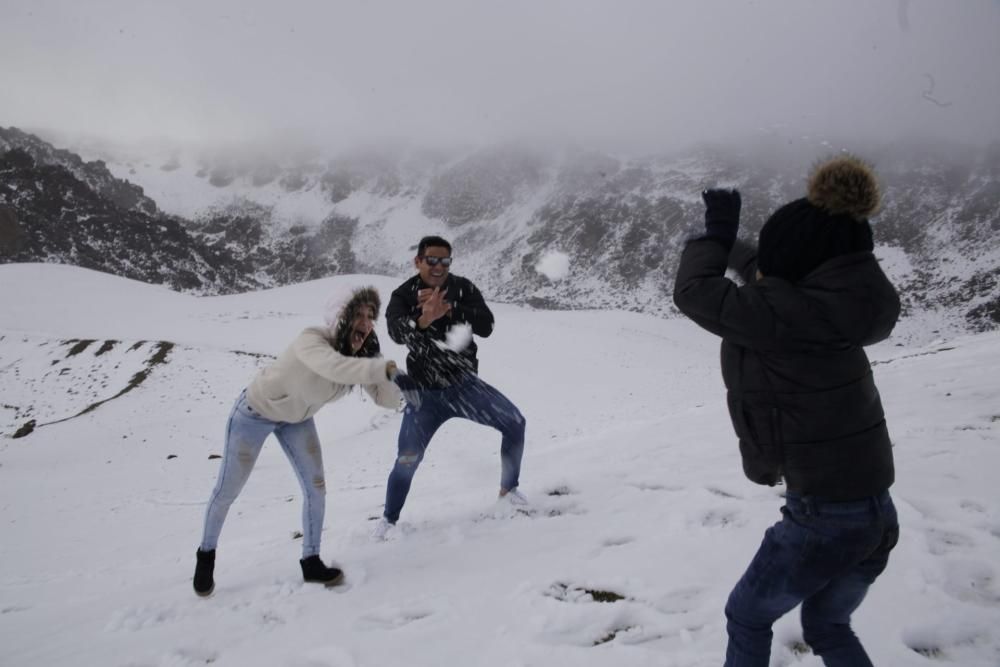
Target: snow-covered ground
[[641, 519]]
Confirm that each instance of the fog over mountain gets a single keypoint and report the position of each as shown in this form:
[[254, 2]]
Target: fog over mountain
[[632, 76]]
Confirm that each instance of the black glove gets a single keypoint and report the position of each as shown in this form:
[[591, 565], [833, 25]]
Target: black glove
[[722, 214], [409, 388]]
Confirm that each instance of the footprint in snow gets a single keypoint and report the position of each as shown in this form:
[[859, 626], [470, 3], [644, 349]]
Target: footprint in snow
[[379, 420], [185, 657], [503, 510], [941, 541], [717, 517], [791, 653], [139, 618], [654, 486], [972, 581], [946, 641], [617, 541], [324, 656], [972, 506], [390, 618], [574, 593], [14, 609], [721, 493], [681, 600]]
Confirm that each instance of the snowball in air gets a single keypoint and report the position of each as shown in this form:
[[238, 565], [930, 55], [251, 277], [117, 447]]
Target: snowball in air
[[458, 337], [553, 265]]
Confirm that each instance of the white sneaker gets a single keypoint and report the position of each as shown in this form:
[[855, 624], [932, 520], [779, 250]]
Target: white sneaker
[[382, 529], [514, 497]]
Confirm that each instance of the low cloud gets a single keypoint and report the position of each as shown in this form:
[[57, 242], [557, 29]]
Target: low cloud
[[629, 75]]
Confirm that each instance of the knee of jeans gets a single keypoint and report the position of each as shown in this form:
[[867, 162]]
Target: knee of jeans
[[515, 425], [245, 457], [818, 633], [319, 485], [224, 498], [811, 634], [410, 461], [818, 621], [742, 609], [732, 608]]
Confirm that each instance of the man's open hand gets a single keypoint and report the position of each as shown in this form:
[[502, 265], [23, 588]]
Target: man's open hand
[[432, 306]]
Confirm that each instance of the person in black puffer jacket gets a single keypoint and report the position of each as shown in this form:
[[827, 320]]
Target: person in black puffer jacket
[[803, 400]]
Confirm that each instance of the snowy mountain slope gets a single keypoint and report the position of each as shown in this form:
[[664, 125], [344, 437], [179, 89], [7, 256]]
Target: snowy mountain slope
[[642, 519], [621, 220], [266, 218], [48, 213]]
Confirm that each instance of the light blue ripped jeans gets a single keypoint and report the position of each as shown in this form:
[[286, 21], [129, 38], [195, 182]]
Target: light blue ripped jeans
[[245, 435]]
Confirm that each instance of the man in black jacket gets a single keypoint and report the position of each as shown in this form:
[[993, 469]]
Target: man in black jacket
[[803, 401], [435, 314]]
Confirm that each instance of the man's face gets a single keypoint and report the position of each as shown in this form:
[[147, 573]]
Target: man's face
[[362, 326], [432, 270]]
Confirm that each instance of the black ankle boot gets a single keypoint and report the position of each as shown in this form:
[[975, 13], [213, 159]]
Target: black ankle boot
[[314, 571], [204, 584]]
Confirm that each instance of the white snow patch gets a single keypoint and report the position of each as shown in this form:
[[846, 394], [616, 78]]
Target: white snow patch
[[631, 466]]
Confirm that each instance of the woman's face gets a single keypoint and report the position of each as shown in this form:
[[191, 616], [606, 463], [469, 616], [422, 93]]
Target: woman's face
[[361, 327]]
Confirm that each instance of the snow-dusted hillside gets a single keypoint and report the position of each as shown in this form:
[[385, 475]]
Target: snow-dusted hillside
[[242, 221], [641, 517], [621, 221]]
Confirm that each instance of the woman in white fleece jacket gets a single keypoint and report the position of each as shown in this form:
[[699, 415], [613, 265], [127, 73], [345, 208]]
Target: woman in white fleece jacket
[[321, 365]]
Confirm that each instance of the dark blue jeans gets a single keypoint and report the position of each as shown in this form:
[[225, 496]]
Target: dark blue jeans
[[472, 399], [823, 555]]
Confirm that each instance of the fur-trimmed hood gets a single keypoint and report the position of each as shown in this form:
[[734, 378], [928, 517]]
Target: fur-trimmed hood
[[345, 314]]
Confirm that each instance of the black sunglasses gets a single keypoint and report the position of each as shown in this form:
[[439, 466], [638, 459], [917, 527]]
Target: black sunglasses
[[434, 261]]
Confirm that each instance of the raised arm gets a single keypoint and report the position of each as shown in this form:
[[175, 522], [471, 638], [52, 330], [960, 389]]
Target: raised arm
[[702, 291], [313, 349]]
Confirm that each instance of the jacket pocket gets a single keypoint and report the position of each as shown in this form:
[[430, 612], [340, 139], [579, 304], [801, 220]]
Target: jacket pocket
[[761, 463], [757, 430], [763, 458]]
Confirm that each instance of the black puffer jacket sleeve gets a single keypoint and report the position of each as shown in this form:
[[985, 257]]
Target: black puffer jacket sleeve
[[717, 304]]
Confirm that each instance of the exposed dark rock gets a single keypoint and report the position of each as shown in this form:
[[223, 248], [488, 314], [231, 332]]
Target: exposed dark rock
[[95, 174], [11, 234], [62, 219]]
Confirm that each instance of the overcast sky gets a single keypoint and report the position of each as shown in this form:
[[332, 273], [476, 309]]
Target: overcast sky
[[623, 74]]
